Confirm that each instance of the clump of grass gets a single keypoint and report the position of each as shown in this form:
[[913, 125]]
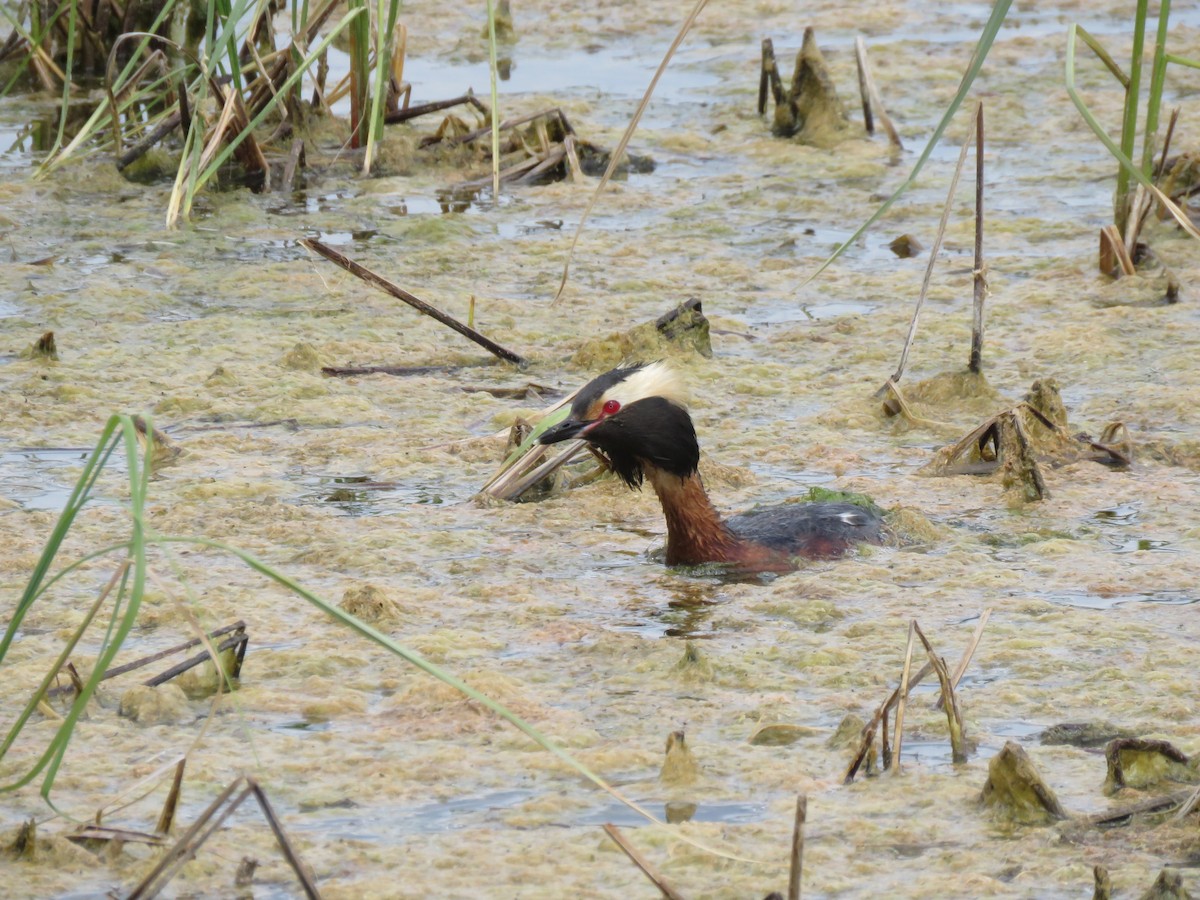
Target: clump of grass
[[212, 71]]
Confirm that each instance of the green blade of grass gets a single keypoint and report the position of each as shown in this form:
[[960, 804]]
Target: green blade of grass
[[982, 48], [491, 21], [1126, 163]]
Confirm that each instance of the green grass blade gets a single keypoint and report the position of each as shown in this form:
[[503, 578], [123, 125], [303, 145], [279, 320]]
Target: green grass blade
[[982, 48], [1158, 73], [1130, 116], [79, 496], [72, 24], [385, 46], [1126, 163], [491, 20], [269, 107]]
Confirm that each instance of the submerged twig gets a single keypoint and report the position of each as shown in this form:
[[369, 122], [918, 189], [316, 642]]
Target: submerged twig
[[362, 272], [642, 863]]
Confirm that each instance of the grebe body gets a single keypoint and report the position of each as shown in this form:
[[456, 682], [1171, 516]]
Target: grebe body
[[653, 439]]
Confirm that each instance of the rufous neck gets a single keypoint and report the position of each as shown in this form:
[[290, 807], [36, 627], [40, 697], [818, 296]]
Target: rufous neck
[[695, 531]]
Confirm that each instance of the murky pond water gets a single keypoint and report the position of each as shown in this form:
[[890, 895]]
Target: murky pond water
[[390, 783]]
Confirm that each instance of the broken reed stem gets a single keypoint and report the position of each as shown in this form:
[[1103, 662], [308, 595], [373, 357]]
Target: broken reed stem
[[885, 746], [642, 863], [895, 766], [860, 52], [619, 150], [1113, 254], [203, 828], [933, 251], [981, 288], [961, 668], [362, 272], [167, 817], [953, 715], [238, 626], [797, 868], [872, 102], [289, 853], [868, 732]]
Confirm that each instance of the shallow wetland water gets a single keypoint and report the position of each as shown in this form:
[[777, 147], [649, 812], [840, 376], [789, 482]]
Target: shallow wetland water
[[391, 784]]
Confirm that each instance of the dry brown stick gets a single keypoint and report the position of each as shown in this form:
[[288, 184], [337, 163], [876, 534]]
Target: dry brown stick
[[933, 252], [416, 303], [961, 668], [902, 702], [209, 821], [1140, 807], [981, 287], [553, 158], [871, 98], [421, 109], [797, 868], [185, 848], [868, 732], [167, 817], [289, 853], [953, 715], [642, 863], [863, 94], [885, 746], [351, 371], [138, 150], [240, 641]]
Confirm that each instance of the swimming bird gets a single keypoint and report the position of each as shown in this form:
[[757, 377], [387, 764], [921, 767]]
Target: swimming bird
[[653, 439]]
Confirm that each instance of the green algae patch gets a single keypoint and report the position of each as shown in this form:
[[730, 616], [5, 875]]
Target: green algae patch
[[781, 734], [1014, 789], [679, 767], [1141, 763], [166, 704], [303, 358], [694, 665], [681, 333], [372, 604]]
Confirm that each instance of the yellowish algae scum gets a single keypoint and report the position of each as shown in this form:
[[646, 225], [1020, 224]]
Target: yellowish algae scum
[[392, 785]]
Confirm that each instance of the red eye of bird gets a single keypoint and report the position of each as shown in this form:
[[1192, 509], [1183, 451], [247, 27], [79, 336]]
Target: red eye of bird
[[610, 407]]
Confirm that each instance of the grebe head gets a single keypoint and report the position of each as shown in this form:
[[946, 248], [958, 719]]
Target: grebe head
[[652, 431], [624, 385]]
